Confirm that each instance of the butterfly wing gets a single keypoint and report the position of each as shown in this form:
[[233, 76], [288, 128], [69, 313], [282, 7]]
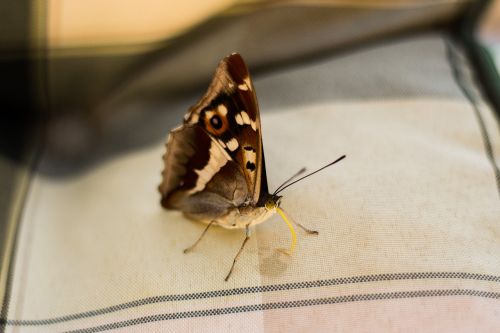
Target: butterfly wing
[[200, 178], [224, 123], [230, 114]]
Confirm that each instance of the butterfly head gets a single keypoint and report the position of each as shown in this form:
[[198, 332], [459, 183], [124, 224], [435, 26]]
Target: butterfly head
[[272, 201]]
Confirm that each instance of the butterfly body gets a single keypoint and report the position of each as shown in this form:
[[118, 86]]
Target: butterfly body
[[238, 217], [214, 164]]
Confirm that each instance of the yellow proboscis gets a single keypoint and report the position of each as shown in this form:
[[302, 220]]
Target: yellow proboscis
[[292, 230]]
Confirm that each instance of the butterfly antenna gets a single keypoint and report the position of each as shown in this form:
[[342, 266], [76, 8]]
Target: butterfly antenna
[[298, 173], [310, 174]]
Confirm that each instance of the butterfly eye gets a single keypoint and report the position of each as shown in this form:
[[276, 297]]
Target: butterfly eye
[[216, 122], [270, 204]]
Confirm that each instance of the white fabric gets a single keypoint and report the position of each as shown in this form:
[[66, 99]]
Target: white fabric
[[416, 193]]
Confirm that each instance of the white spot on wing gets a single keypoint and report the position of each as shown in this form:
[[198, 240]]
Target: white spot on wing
[[232, 144], [250, 156], [254, 126], [239, 119], [218, 158], [222, 109], [243, 87], [247, 121], [246, 118]]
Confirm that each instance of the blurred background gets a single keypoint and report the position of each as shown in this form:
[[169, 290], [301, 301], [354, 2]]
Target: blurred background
[[86, 77]]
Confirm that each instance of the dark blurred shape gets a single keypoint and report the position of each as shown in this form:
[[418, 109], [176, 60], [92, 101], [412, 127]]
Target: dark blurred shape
[[19, 110]]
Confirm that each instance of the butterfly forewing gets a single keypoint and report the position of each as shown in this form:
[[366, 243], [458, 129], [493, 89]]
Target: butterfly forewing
[[230, 114], [219, 142]]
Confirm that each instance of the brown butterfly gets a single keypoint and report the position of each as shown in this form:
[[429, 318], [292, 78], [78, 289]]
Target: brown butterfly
[[214, 165]]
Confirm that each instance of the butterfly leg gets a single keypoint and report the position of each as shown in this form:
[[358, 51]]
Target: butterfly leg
[[309, 231], [247, 237], [191, 248]]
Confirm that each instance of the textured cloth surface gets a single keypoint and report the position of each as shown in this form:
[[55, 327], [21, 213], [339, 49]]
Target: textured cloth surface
[[409, 222]]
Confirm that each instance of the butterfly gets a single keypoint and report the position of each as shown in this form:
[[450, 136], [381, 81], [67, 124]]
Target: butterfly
[[214, 167]]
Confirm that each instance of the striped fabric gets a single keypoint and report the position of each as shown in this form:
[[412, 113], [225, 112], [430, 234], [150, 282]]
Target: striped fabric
[[409, 233]]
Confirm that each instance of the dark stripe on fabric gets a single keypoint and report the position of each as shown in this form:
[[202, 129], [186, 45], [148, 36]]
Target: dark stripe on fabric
[[291, 304], [256, 289]]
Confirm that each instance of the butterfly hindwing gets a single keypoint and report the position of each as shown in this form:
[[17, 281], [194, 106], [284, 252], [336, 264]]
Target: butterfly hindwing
[[199, 178]]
